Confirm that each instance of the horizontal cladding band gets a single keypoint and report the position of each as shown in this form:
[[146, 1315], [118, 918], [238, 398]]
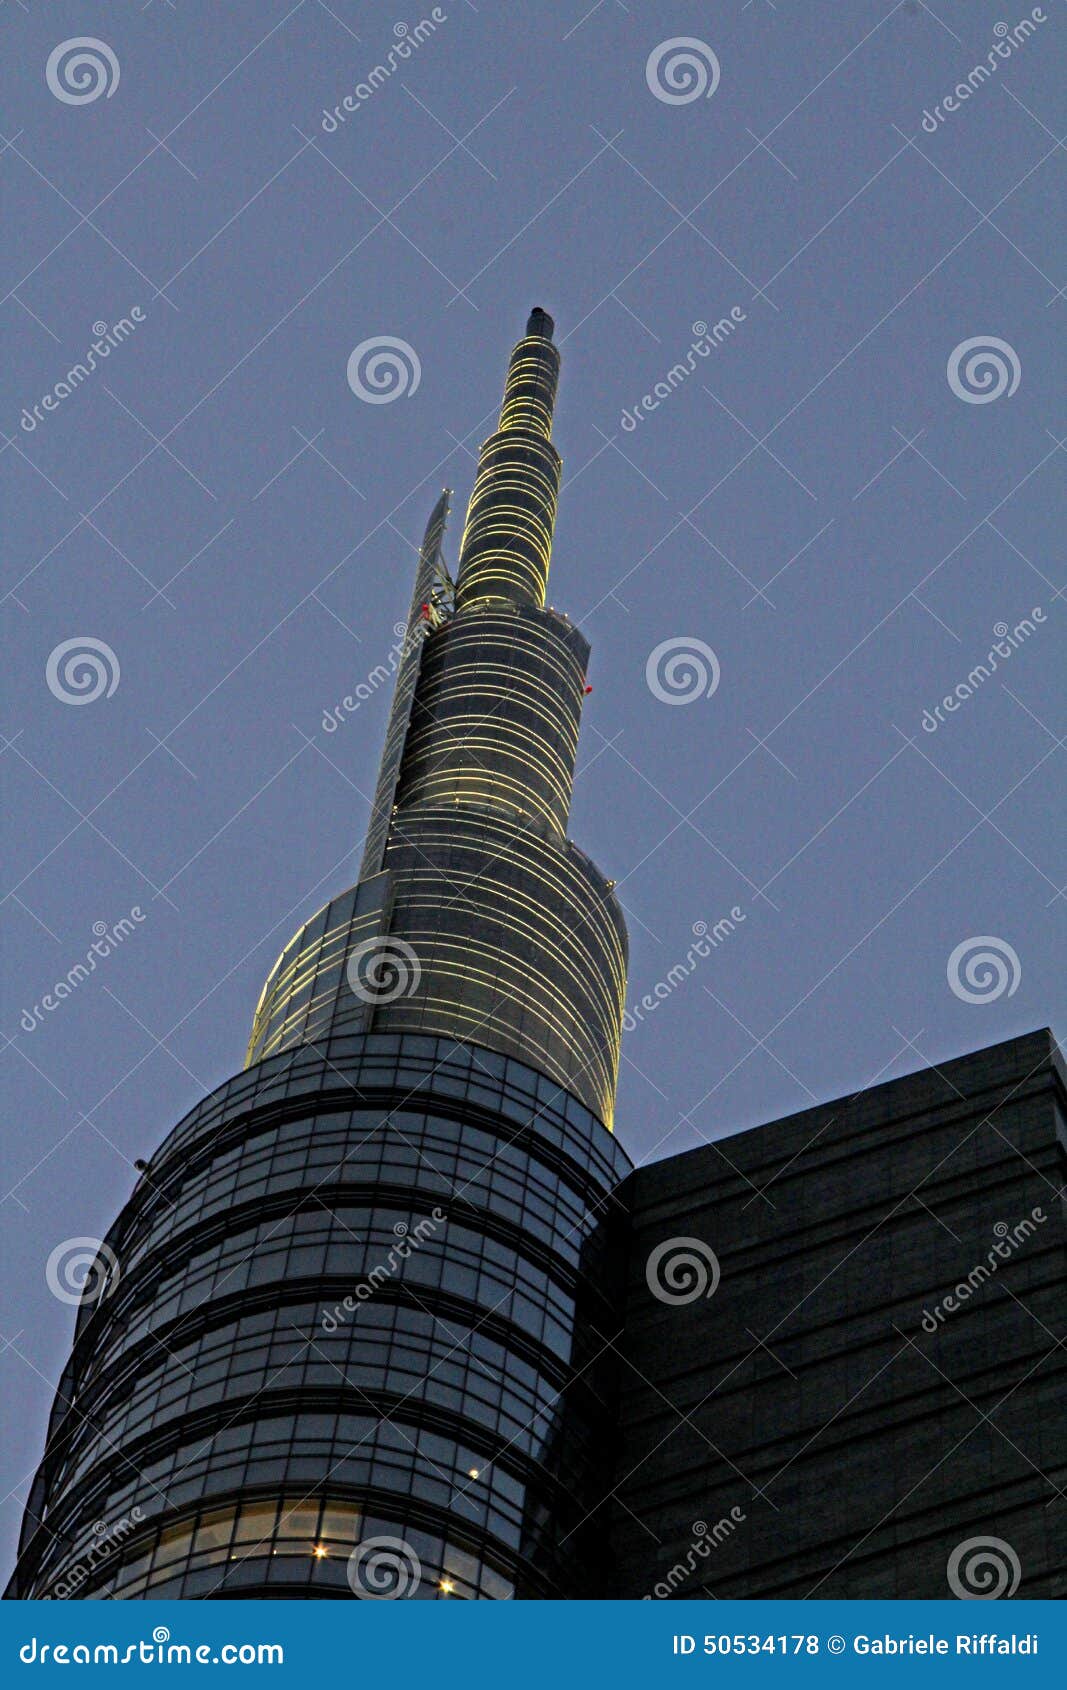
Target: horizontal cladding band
[[420, 888], [572, 886], [516, 939], [472, 1223], [361, 1078]]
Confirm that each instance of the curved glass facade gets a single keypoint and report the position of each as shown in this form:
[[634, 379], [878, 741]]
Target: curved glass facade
[[500, 698], [508, 935], [348, 1308], [519, 940]]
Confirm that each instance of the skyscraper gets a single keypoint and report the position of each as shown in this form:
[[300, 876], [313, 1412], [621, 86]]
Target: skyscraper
[[391, 1314], [328, 1341]]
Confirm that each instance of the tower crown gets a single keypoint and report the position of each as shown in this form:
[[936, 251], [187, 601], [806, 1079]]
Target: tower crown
[[507, 541], [508, 936]]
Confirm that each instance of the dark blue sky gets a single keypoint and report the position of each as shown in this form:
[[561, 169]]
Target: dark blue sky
[[816, 503]]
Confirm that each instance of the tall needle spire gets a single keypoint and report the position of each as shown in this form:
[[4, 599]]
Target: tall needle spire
[[507, 541], [503, 933]]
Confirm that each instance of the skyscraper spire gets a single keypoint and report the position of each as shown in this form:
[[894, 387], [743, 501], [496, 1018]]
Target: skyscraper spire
[[507, 541], [490, 926]]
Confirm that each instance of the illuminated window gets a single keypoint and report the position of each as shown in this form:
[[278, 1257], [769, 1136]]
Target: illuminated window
[[340, 1523], [174, 1543], [255, 1528], [213, 1535], [298, 1526]]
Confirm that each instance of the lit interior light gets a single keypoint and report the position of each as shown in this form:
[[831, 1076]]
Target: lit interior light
[[320, 1552], [447, 1586], [473, 1473]]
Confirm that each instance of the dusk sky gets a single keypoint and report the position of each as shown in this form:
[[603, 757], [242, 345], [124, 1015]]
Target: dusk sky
[[847, 503]]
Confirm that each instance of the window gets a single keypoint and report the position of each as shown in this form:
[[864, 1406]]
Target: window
[[174, 1543], [340, 1522], [255, 1528], [213, 1535], [297, 1527]]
